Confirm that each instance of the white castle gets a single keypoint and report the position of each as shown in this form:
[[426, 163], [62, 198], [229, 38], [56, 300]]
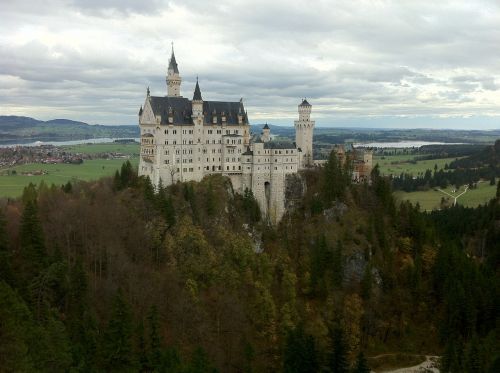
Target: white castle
[[184, 140]]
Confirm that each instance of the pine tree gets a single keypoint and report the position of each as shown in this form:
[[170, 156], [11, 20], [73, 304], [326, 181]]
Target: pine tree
[[361, 364], [300, 354], [80, 324], [6, 273], [199, 363], [337, 266], [154, 339], [338, 356], [116, 348], [32, 242], [366, 283]]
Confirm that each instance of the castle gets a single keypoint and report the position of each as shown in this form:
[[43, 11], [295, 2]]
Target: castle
[[184, 140]]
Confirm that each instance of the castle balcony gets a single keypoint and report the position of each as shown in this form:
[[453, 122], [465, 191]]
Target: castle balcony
[[148, 158]]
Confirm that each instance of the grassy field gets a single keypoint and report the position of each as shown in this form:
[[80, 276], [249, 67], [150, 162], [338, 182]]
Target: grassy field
[[130, 149], [388, 165], [431, 199], [58, 174]]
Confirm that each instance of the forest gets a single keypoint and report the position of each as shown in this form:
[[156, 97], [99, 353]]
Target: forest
[[113, 276]]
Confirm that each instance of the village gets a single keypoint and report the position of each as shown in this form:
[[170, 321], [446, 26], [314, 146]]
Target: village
[[49, 154]]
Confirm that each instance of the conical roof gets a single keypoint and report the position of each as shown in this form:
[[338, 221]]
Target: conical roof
[[305, 103], [173, 63], [197, 92]]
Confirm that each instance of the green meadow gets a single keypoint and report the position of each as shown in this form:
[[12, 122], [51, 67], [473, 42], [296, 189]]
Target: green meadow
[[396, 164], [431, 199], [58, 174]]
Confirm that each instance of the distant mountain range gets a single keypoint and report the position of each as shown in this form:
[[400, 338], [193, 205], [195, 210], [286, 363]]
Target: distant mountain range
[[18, 128]]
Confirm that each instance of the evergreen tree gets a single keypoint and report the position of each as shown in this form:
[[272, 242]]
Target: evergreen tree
[[142, 355], [31, 237], [361, 364], [154, 339], [300, 354], [338, 357], [337, 265], [117, 182], [366, 283], [6, 273], [320, 257], [199, 363], [80, 324], [116, 348]]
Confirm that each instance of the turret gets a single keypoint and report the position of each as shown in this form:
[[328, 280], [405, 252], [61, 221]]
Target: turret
[[197, 101], [266, 133], [304, 128], [173, 77]]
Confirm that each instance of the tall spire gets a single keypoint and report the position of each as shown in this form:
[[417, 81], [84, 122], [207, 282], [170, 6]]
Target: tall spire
[[197, 92], [173, 64]]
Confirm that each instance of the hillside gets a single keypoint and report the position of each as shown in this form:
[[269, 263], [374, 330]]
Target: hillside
[[17, 128], [111, 276]]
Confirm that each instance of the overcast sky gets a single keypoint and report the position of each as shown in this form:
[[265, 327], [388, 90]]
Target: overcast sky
[[359, 63]]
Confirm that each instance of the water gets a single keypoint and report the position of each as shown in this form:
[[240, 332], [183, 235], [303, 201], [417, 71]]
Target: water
[[69, 142], [402, 144]]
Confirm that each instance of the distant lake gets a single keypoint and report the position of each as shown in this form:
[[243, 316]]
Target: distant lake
[[70, 142], [402, 144]]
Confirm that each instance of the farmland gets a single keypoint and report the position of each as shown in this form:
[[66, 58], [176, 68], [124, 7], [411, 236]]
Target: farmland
[[431, 199], [14, 179]]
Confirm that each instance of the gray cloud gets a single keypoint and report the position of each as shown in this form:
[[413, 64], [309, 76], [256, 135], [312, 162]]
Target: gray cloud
[[93, 59]]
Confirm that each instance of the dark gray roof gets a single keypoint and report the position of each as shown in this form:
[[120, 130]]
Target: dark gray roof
[[266, 127], [279, 145], [305, 103], [248, 152], [181, 109], [179, 106], [230, 109], [197, 92], [173, 63]]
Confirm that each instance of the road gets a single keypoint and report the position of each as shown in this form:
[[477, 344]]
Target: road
[[455, 197]]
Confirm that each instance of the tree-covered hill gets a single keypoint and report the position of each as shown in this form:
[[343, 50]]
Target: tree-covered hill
[[25, 128], [111, 276]]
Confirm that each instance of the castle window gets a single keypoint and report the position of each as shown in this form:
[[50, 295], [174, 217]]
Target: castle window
[[178, 161], [165, 132], [167, 152], [174, 132], [175, 142], [239, 167], [234, 168], [236, 132], [227, 168], [167, 161], [177, 151]]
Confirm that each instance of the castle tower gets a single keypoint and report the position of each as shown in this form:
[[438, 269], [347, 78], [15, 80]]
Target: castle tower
[[304, 128], [197, 101], [266, 133], [173, 77]]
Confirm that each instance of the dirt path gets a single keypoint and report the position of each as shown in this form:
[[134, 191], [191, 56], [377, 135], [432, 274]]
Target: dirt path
[[429, 365]]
